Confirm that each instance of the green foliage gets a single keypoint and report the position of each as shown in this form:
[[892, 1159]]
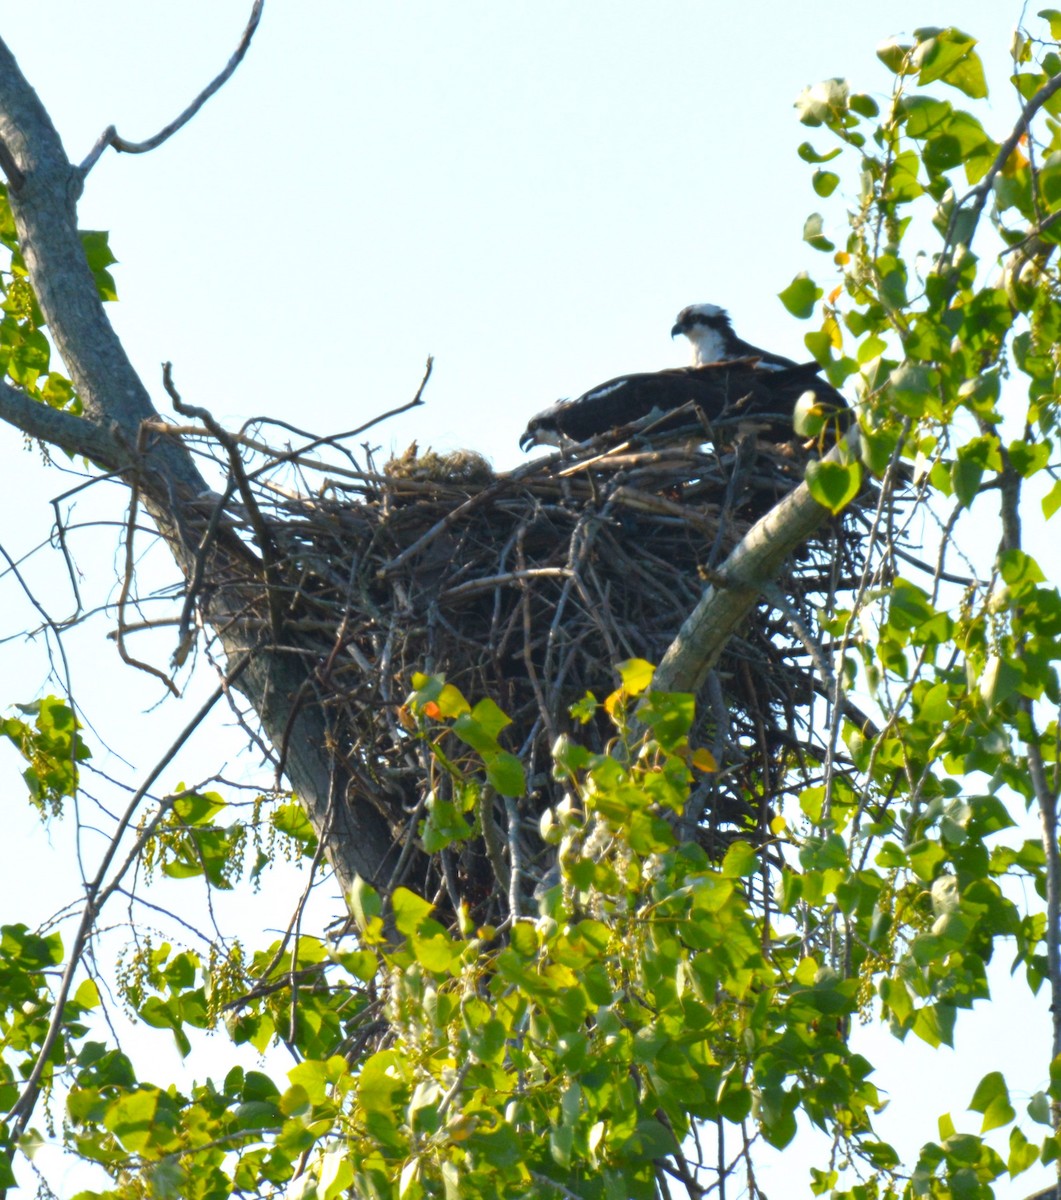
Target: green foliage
[[52, 746], [25, 352], [570, 1055], [566, 1057], [571, 1051], [188, 842]]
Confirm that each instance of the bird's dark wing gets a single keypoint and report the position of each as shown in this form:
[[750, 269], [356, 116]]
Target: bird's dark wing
[[767, 358], [718, 390]]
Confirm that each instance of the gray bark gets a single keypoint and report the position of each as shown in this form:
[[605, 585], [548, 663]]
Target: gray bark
[[751, 567], [44, 187]]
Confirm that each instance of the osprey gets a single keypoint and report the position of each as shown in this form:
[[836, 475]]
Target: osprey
[[731, 379], [708, 328]]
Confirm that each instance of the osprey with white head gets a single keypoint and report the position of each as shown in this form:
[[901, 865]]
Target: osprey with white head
[[729, 381], [708, 328]]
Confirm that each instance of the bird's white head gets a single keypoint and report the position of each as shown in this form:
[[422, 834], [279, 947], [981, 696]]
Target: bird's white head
[[707, 327]]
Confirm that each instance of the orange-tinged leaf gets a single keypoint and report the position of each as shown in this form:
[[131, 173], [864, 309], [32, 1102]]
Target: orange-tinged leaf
[[704, 760], [432, 710]]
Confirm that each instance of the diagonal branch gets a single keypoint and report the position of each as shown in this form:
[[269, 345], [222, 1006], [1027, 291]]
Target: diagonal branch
[[111, 137], [983, 191], [68, 432], [44, 207], [742, 578]]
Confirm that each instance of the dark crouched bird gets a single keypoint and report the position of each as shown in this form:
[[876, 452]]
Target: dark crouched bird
[[730, 379]]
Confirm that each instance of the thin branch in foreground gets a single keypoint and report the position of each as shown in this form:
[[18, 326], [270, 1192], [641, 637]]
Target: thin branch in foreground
[[111, 137], [123, 598], [98, 891]]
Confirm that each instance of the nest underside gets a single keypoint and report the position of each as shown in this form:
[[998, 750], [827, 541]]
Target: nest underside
[[529, 587]]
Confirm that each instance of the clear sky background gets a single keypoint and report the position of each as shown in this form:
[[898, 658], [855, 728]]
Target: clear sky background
[[528, 191]]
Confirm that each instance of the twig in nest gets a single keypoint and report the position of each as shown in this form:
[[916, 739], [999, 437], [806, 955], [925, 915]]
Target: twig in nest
[[239, 475]]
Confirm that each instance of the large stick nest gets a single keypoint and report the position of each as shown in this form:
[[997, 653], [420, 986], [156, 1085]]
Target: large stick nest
[[528, 587]]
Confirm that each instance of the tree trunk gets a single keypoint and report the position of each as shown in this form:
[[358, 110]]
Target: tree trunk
[[43, 189]]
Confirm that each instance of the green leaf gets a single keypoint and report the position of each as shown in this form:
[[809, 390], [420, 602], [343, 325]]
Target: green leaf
[[364, 903], [801, 295], [381, 1083], [834, 485], [290, 819], [1000, 680], [823, 103], [443, 825], [410, 910], [992, 1099], [87, 994], [910, 386], [131, 1118], [740, 860], [437, 953], [894, 55], [1022, 1153], [903, 183], [468, 729], [934, 1024], [807, 152], [1027, 458], [524, 939], [451, 702], [636, 675], [810, 416], [669, 715], [98, 253], [336, 1173], [1019, 568], [489, 717], [1039, 1109], [505, 772], [824, 183], [947, 55], [864, 105], [53, 748], [813, 235]]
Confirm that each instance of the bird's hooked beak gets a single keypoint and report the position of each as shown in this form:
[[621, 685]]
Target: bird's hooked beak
[[679, 328], [526, 441]]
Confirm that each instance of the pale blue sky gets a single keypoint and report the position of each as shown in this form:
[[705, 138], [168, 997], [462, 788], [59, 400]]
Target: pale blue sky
[[528, 191]]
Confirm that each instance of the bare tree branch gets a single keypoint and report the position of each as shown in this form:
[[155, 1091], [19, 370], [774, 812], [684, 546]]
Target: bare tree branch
[[111, 137], [73, 434], [985, 188]]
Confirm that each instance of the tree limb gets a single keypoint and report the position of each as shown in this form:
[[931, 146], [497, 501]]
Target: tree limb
[[985, 188], [63, 429], [111, 137], [740, 580], [118, 429]]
